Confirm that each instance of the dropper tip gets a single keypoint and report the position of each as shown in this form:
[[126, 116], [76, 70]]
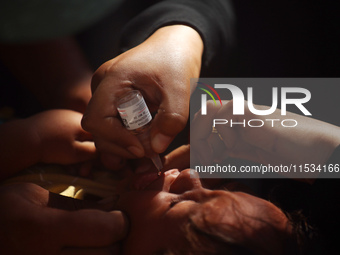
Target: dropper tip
[[158, 163]]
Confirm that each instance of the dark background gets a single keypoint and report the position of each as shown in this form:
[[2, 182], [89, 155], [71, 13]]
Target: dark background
[[273, 39], [287, 38]]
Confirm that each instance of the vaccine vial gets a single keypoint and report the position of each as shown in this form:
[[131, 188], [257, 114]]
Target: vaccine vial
[[136, 117]]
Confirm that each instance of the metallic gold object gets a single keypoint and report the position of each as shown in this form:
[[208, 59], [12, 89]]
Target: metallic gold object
[[215, 131]]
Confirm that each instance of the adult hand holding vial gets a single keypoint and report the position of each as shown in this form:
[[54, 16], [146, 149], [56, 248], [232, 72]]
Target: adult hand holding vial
[[160, 68]]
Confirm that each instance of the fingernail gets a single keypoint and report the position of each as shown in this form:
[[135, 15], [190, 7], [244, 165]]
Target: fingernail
[[160, 142], [136, 151]]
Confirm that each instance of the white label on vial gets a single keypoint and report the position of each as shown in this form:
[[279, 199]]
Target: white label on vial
[[135, 116]]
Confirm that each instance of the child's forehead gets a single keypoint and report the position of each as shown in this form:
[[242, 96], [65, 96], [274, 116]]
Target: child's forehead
[[216, 209], [218, 216]]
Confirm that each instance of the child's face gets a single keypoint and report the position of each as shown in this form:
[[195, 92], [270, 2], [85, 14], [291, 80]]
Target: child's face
[[159, 211]]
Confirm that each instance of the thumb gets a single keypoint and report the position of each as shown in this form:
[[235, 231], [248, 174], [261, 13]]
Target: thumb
[[88, 227], [169, 121]]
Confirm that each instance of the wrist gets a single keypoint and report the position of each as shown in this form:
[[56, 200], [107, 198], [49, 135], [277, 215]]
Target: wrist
[[183, 42], [179, 38], [183, 37], [187, 34]]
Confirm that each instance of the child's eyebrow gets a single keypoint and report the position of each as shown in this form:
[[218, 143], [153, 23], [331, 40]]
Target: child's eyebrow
[[175, 200], [197, 195]]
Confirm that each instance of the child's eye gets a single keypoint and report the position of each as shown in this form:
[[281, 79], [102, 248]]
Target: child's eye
[[174, 202]]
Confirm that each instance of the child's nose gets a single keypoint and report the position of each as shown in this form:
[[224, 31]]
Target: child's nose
[[186, 180]]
